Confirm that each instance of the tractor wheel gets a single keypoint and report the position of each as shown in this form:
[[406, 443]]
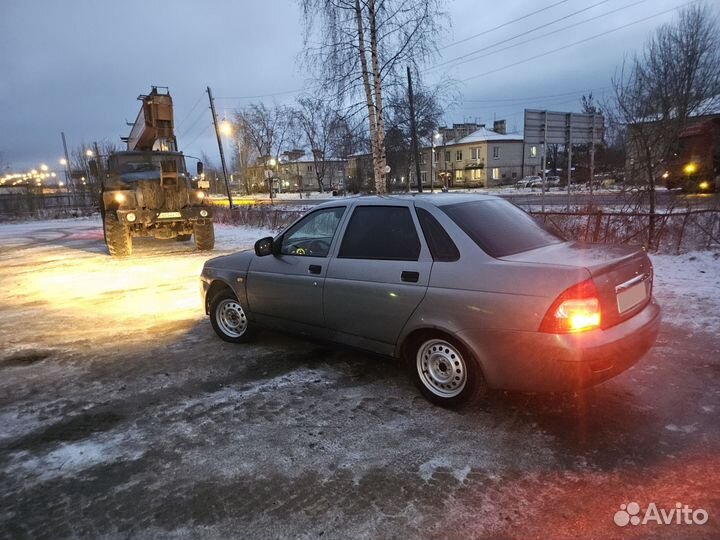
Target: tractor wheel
[[204, 235], [117, 237]]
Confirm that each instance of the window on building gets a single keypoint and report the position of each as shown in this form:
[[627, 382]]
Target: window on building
[[475, 153], [477, 174], [381, 232], [496, 152], [423, 177], [496, 173], [309, 168], [533, 151], [447, 155], [458, 176], [458, 155]]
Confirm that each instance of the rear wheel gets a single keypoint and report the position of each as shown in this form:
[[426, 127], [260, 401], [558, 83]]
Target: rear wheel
[[444, 371], [117, 237], [204, 235], [228, 318]]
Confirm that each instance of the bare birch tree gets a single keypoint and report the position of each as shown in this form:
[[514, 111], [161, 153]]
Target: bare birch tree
[[363, 46]]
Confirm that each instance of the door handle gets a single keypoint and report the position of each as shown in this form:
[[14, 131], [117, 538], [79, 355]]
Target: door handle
[[411, 277], [314, 268]]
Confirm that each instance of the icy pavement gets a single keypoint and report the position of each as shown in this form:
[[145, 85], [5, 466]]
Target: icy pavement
[[123, 416]]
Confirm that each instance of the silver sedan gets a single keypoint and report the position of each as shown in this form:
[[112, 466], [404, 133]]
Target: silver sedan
[[468, 290]]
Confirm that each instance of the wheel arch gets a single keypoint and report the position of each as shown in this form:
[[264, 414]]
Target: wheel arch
[[216, 287], [418, 333]]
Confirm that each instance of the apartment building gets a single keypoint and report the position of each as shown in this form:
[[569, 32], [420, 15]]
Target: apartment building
[[482, 157]]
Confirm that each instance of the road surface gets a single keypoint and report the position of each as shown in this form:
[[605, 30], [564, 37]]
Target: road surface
[[124, 416]]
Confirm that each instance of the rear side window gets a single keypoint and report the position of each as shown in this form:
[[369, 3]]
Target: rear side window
[[499, 227], [441, 245], [381, 232]]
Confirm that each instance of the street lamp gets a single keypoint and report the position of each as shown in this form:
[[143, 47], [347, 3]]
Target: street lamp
[[226, 128], [89, 153], [63, 162], [43, 167]]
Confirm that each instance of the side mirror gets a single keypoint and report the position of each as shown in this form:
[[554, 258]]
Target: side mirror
[[264, 246], [200, 168], [93, 167]]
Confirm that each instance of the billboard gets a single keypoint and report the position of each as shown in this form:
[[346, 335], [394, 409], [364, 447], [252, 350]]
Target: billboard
[[550, 127]]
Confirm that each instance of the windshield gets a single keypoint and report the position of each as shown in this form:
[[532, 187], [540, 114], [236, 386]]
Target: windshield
[[500, 228], [149, 166]]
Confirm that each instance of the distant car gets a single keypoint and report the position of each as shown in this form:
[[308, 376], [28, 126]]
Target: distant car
[[527, 181], [550, 181], [469, 290]]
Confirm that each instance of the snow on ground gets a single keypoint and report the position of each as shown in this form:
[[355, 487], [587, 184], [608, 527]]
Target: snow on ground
[[688, 289]]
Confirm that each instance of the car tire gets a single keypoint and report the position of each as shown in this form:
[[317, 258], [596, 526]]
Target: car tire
[[117, 237], [204, 235], [444, 370], [183, 237], [229, 319]]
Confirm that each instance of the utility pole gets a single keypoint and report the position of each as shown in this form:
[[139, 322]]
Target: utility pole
[[220, 146], [68, 170], [413, 133]]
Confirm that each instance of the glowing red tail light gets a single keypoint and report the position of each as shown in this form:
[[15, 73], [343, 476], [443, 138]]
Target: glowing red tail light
[[576, 310]]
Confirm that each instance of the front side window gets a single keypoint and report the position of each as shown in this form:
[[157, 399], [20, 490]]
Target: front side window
[[381, 232], [496, 152], [496, 173], [312, 235], [458, 176], [458, 155], [476, 153], [533, 151], [447, 155]]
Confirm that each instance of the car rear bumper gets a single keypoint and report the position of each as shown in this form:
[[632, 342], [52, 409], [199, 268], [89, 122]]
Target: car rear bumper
[[536, 361]]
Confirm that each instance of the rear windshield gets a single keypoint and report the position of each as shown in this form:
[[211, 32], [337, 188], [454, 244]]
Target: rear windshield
[[499, 227]]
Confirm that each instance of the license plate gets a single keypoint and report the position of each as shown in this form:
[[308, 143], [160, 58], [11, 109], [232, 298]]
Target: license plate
[[163, 215], [631, 297]]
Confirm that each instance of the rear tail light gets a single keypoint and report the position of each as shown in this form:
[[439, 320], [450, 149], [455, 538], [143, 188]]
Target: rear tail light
[[576, 310]]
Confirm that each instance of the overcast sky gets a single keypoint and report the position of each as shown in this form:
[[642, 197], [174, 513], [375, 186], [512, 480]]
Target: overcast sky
[[77, 66]]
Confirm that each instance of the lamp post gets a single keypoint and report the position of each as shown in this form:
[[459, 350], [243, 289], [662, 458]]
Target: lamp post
[[434, 161]]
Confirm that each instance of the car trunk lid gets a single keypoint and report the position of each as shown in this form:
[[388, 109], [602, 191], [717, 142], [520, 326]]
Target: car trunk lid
[[623, 275]]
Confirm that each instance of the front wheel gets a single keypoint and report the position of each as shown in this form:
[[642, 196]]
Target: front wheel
[[228, 318], [204, 235], [117, 237], [444, 371]]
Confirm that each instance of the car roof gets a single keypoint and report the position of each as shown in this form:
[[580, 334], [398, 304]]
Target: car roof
[[436, 199]]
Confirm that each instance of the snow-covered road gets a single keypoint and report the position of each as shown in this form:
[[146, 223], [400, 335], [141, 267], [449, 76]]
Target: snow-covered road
[[122, 415]]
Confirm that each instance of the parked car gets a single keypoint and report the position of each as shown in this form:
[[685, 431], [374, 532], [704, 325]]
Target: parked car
[[468, 290], [550, 182], [527, 181]]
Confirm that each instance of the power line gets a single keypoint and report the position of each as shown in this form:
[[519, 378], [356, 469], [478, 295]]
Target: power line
[[471, 53], [195, 122], [503, 25], [546, 34], [577, 42], [202, 95], [262, 95], [200, 134], [535, 98]]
